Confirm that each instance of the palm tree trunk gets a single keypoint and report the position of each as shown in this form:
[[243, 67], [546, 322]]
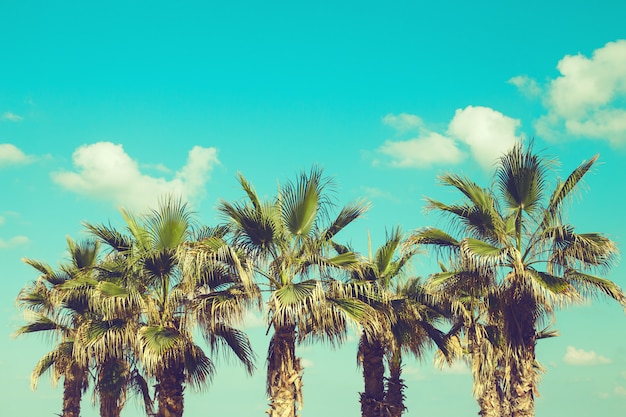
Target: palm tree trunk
[[284, 374], [484, 372], [111, 384], [522, 337], [372, 354], [394, 398], [170, 387], [73, 382], [523, 384], [490, 402]]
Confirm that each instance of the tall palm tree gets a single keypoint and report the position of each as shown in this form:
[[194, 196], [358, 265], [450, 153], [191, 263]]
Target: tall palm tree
[[478, 320], [403, 322], [164, 294], [105, 338], [518, 230], [379, 269], [290, 238], [417, 313], [51, 312]]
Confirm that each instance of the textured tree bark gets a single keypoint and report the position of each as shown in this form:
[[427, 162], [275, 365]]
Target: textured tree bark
[[170, 387], [523, 384], [522, 338], [284, 374], [372, 397], [490, 402], [394, 398], [111, 382], [72, 390]]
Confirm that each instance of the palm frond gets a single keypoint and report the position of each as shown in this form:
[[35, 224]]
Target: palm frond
[[432, 237], [521, 178], [300, 203], [564, 189], [199, 367], [249, 189], [237, 341], [591, 285], [109, 235], [346, 216]]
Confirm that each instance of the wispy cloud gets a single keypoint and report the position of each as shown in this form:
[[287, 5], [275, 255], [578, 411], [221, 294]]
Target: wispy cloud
[[13, 242], [11, 117], [12, 155], [587, 99], [484, 132], [580, 357], [105, 171], [526, 85], [413, 373], [254, 319], [374, 193], [457, 368], [306, 363], [403, 122]]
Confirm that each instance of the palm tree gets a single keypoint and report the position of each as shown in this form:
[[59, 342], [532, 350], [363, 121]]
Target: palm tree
[[104, 339], [290, 238], [51, 312], [517, 230], [403, 322], [478, 320], [416, 313], [164, 292], [380, 270]]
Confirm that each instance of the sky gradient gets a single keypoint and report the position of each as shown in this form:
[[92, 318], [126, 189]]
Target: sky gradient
[[108, 106]]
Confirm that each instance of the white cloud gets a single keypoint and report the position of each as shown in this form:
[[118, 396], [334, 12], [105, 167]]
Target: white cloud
[[526, 85], [306, 363], [457, 368], [13, 242], [403, 122], [422, 152], [253, 319], [12, 155], [105, 171], [619, 390], [587, 99], [412, 373], [157, 167], [488, 132], [580, 357], [374, 193], [11, 117]]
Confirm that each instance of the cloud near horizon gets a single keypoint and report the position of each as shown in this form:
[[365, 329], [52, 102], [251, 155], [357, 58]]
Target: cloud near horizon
[[484, 132], [105, 171], [580, 357], [11, 117], [13, 242], [587, 100], [457, 368], [12, 155]]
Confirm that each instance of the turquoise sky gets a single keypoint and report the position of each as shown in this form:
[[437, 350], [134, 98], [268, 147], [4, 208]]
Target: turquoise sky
[[111, 105]]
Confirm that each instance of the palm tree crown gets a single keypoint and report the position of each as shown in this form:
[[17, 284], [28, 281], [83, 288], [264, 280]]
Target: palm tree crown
[[290, 237], [516, 231]]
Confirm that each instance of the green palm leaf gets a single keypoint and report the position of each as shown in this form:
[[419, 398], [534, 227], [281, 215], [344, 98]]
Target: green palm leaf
[[300, 203], [564, 189]]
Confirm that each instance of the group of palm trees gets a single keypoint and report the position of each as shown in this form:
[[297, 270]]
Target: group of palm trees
[[125, 308]]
